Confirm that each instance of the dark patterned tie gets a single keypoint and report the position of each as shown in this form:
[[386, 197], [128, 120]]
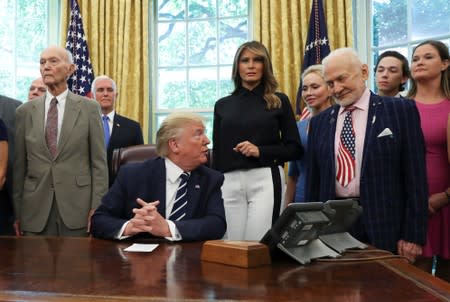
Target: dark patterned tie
[[106, 133], [51, 127], [345, 164], [181, 199]]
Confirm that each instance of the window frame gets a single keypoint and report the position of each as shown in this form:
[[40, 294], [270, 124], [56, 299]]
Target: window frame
[[154, 112], [363, 29]]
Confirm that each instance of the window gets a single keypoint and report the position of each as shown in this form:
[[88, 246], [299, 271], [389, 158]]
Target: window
[[24, 32], [195, 44], [400, 25]]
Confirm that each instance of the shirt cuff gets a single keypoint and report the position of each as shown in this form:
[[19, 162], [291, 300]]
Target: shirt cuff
[[175, 235], [119, 235]]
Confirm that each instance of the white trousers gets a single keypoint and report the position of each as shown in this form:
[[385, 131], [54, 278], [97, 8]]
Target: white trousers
[[250, 202]]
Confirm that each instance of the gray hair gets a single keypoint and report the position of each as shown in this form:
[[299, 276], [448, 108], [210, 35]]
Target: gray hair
[[172, 126], [102, 77], [69, 57]]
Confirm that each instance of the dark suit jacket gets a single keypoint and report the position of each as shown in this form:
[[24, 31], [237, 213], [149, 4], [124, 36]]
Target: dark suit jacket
[[205, 216], [125, 132], [393, 185], [7, 111]]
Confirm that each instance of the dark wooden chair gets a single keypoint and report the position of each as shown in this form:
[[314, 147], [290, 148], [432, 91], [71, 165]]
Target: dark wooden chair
[[138, 153]]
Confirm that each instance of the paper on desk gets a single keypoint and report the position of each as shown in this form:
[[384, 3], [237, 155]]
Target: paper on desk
[[141, 247]]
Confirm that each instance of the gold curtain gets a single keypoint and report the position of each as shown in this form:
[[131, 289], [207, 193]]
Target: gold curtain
[[282, 26], [117, 37]]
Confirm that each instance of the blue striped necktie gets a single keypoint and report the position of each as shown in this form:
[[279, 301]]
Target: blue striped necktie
[[181, 199]]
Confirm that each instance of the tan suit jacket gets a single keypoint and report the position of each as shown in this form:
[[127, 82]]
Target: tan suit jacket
[[78, 175]]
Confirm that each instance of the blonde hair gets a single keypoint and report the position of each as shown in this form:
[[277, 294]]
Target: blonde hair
[[268, 79], [172, 127], [317, 69]]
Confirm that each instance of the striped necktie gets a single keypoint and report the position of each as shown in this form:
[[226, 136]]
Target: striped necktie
[[181, 199], [51, 127], [345, 164]]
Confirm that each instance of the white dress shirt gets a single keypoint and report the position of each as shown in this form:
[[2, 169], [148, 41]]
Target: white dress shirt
[[61, 105], [359, 117]]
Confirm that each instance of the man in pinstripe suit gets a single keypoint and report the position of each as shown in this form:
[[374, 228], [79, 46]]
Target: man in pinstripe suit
[[388, 173]]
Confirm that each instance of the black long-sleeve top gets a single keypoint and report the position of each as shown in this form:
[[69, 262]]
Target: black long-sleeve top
[[244, 116]]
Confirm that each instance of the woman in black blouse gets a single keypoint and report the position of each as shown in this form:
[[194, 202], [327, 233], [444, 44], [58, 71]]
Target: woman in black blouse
[[254, 135]]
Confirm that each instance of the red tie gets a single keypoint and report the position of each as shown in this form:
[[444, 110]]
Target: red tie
[[51, 127], [345, 164]]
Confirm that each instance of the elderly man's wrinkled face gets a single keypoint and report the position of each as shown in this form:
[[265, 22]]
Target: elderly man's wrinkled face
[[55, 66], [346, 79]]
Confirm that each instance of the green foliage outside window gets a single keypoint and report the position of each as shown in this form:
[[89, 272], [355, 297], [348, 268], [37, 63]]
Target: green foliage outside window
[[23, 35]]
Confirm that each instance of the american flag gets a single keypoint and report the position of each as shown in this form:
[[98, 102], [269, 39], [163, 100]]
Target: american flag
[[317, 46], [345, 164], [80, 81]]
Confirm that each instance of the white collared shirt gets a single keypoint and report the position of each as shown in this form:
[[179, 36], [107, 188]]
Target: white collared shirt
[[61, 108], [359, 117]]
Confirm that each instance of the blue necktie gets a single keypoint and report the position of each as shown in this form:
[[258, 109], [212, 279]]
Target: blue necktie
[[181, 199], [105, 119]]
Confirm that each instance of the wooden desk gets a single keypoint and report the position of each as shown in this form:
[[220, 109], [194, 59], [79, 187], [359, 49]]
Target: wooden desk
[[84, 269]]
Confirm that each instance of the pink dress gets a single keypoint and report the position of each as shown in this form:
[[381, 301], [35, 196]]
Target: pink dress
[[433, 119]]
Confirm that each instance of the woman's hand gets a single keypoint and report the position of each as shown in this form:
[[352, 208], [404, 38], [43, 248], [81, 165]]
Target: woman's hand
[[247, 148]]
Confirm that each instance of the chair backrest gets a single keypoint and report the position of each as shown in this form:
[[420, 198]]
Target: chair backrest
[[136, 154]]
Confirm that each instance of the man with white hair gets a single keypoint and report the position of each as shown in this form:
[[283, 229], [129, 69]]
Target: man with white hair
[[60, 171], [370, 148], [119, 131]]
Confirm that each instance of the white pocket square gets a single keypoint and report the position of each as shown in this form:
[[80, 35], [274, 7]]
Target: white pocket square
[[385, 132]]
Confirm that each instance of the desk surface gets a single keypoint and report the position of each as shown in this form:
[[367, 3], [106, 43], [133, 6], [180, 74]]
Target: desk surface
[[85, 269]]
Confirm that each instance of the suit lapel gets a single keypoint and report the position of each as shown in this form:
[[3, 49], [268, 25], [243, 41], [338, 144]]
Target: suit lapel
[[373, 124], [194, 190], [160, 186], [331, 127], [115, 132], [71, 112]]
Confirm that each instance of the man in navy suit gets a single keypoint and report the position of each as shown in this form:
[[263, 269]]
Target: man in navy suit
[[388, 176], [123, 132], [143, 195]]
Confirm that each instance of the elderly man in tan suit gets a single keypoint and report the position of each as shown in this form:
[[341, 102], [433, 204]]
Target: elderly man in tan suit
[[60, 170]]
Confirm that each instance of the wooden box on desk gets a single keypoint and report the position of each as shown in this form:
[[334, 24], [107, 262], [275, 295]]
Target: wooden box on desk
[[237, 253]]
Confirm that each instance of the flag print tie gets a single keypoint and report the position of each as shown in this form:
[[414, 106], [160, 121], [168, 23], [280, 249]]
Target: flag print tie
[[345, 165]]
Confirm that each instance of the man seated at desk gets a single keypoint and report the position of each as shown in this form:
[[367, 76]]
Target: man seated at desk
[[173, 196]]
